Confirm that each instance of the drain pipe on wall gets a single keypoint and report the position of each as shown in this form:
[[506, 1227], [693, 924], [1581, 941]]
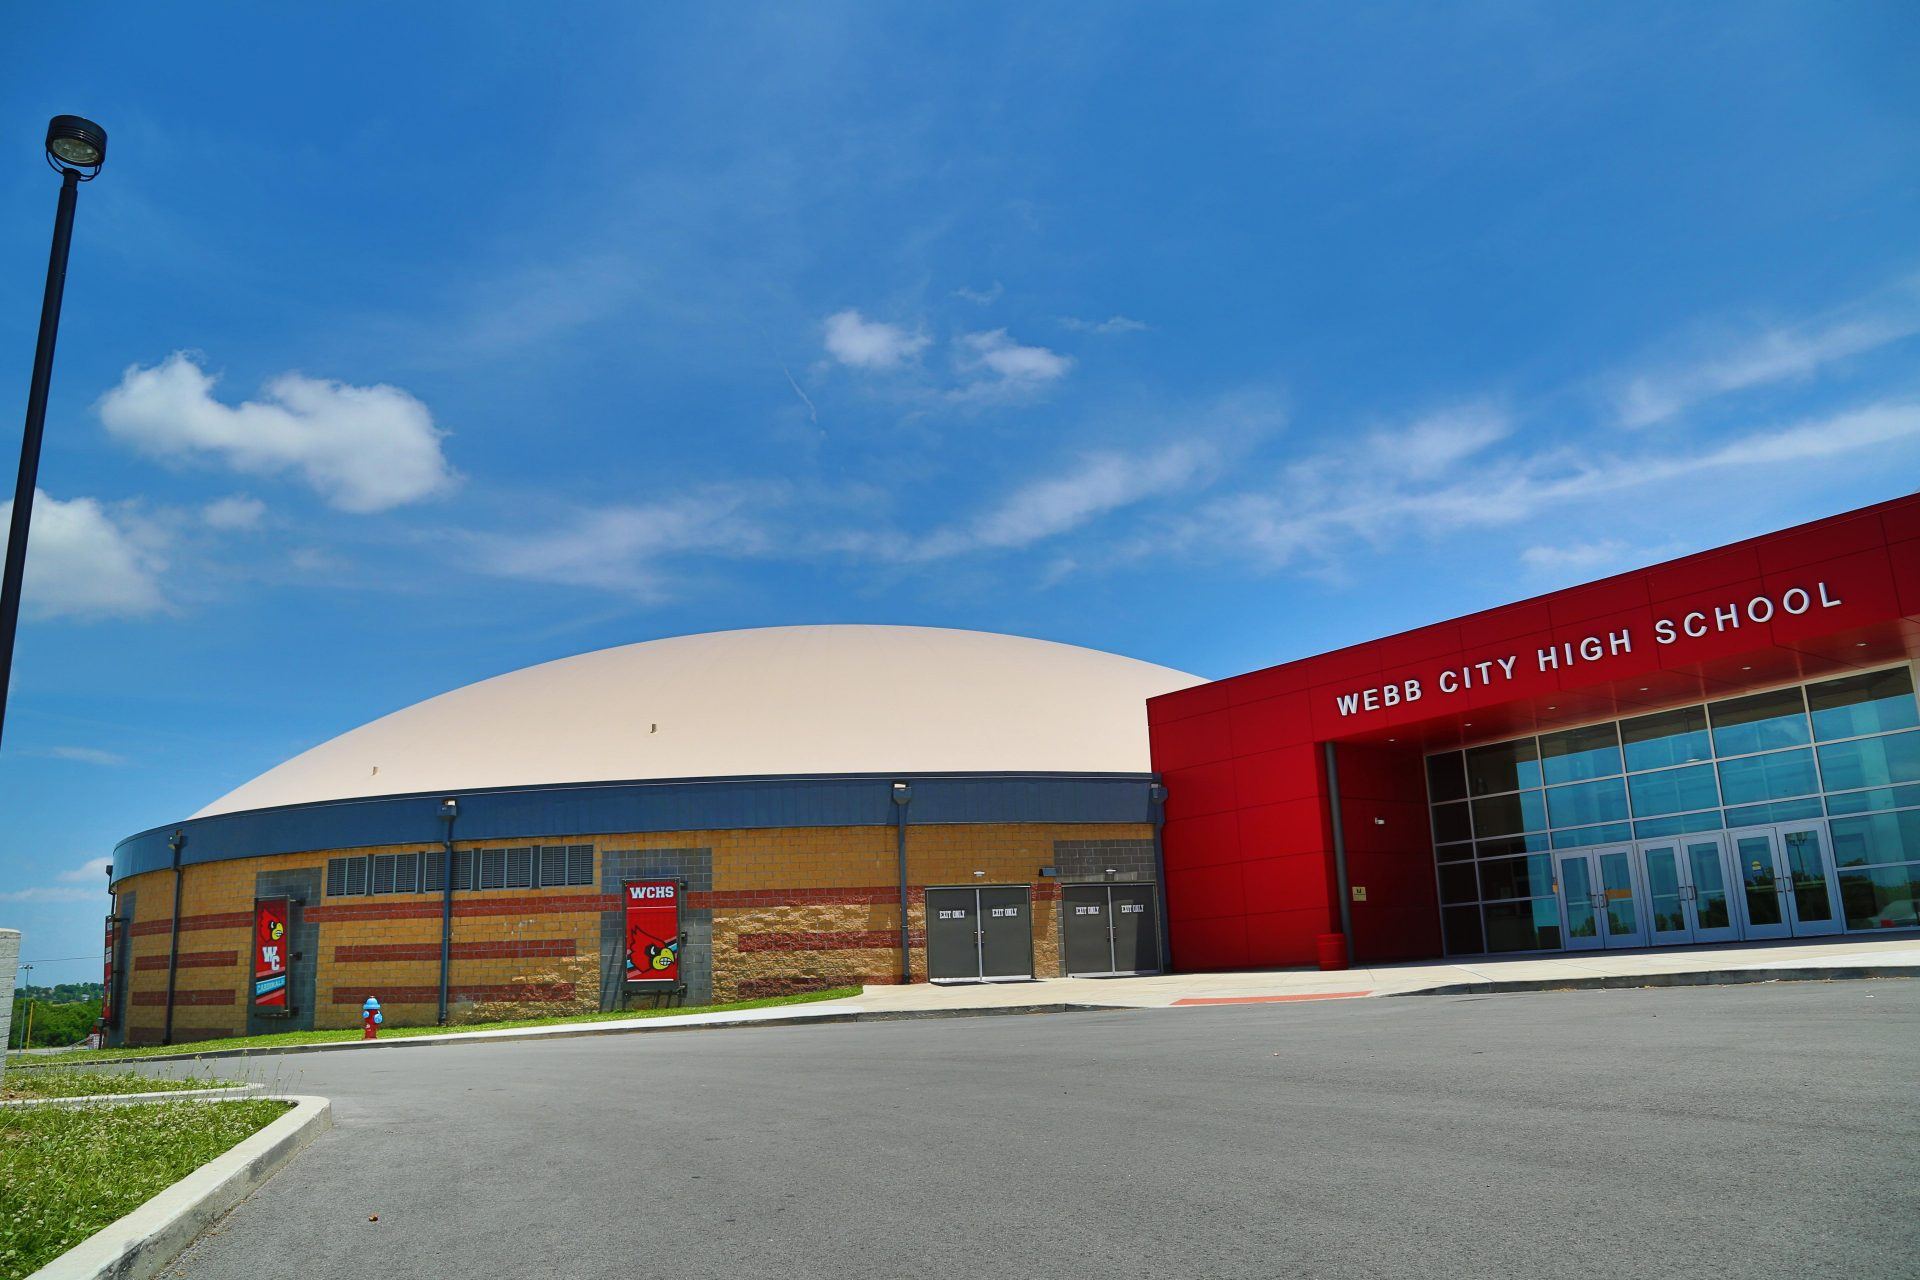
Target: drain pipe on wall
[[1339, 851], [902, 797], [174, 841], [449, 810]]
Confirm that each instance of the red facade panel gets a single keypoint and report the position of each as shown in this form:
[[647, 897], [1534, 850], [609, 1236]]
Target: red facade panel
[[1797, 604]]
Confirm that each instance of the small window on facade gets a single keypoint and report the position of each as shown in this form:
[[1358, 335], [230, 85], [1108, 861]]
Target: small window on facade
[[336, 877], [406, 873], [463, 868], [580, 864], [356, 877], [382, 873], [434, 872], [493, 868], [553, 865], [519, 869]]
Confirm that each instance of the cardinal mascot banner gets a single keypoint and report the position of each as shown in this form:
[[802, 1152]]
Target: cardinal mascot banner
[[653, 931], [270, 939]]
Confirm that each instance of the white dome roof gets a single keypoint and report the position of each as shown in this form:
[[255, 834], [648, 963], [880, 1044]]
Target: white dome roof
[[775, 700]]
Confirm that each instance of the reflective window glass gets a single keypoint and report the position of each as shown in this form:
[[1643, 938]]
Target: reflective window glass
[[1876, 838], [1452, 852], [1770, 777], [1523, 926], [1463, 930], [1679, 824], [1754, 815], [1673, 791], [1586, 802], [1668, 738], [1870, 762], [1759, 722], [1581, 837], [1504, 766], [1506, 815], [1869, 801], [1446, 777], [1883, 898], [1450, 823], [1516, 877], [1870, 703], [1502, 846], [1457, 883], [1578, 754]]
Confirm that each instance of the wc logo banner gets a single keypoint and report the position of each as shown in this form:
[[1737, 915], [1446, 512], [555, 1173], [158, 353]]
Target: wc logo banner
[[271, 934], [653, 931]]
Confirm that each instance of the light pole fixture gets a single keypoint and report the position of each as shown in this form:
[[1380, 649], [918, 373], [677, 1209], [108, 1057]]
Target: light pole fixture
[[76, 149]]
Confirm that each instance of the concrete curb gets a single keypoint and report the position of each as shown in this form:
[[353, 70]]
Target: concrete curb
[[144, 1242], [612, 1029], [122, 1099], [1696, 978]]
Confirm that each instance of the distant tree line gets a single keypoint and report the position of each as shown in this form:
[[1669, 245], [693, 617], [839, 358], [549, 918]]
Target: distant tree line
[[64, 993], [56, 1024]]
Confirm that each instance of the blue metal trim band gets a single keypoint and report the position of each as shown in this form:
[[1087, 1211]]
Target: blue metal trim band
[[610, 808]]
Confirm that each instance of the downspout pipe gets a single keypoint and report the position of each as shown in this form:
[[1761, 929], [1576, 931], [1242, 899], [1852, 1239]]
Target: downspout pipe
[[449, 810], [902, 797], [1339, 849], [174, 842], [1157, 800]]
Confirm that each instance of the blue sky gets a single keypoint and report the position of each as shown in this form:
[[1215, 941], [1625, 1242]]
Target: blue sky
[[407, 345]]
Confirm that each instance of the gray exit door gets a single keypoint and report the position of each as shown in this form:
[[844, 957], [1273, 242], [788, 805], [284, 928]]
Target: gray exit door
[[982, 934], [1109, 929]]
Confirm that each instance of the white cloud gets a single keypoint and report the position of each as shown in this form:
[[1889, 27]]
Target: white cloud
[[1778, 355], [981, 297], [57, 893], [626, 548], [1011, 363], [81, 755], [93, 871], [871, 344], [82, 563], [234, 513], [1112, 324], [363, 449]]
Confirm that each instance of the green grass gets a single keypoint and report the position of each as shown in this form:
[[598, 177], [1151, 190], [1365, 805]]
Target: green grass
[[66, 1172], [71, 1082], [282, 1039]]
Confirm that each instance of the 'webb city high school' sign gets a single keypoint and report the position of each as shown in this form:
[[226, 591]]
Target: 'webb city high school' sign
[[1559, 657]]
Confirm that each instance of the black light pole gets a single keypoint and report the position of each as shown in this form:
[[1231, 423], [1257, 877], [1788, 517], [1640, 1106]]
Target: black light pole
[[75, 149]]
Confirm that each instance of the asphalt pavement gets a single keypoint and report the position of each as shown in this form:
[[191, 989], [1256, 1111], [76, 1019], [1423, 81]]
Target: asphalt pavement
[[1747, 1131]]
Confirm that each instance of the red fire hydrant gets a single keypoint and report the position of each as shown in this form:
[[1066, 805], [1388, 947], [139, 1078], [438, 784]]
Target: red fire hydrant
[[370, 1018]]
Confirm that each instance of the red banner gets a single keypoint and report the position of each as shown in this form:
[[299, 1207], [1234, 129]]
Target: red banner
[[106, 998], [270, 940], [653, 931]]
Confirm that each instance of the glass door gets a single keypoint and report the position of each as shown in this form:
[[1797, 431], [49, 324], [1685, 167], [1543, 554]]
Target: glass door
[[1786, 882], [1599, 898], [1687, 896]]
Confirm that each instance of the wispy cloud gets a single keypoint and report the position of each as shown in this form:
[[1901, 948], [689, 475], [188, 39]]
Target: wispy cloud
[[79, 755], [86, 562], [1774, 356], [362, 449], [235, 513], [860, 343], [997, 365], [626, 548], [1112, 324], [93, 871], [84, 883], [981, 297]]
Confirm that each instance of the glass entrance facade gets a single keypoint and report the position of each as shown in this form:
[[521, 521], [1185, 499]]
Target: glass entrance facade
[[1786, 813]]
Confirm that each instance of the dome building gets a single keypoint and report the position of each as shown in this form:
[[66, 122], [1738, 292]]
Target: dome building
[[819, 803]]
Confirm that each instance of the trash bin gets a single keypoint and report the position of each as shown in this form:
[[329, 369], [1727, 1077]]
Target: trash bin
[[1333, 950]]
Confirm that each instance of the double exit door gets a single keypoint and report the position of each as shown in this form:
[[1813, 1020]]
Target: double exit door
[[1109, 929], [1751, 883], [979, 934]]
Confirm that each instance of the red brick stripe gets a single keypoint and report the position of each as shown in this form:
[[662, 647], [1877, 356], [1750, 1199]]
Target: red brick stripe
[[191, 960], [828, 940], [375, 953], [547, 992], [185, 997], [188, 924]]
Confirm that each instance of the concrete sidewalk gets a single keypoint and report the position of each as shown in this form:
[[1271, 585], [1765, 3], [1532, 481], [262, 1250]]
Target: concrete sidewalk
[[1835, 956]]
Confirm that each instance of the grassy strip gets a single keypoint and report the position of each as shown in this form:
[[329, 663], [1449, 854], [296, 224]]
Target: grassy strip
[[283, 1038], [69, 1082], [67, 1172]]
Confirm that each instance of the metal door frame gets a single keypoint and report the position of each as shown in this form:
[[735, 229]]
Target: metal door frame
[[1605, 938], [1730, 883], [1113, 970], [1599, 940], [979, 934], [1689, 929]]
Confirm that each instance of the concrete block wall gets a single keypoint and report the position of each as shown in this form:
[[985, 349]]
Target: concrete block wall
[[768, 912]]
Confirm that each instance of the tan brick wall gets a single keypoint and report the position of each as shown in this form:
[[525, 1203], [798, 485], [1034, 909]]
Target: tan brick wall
[[793, 909]]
